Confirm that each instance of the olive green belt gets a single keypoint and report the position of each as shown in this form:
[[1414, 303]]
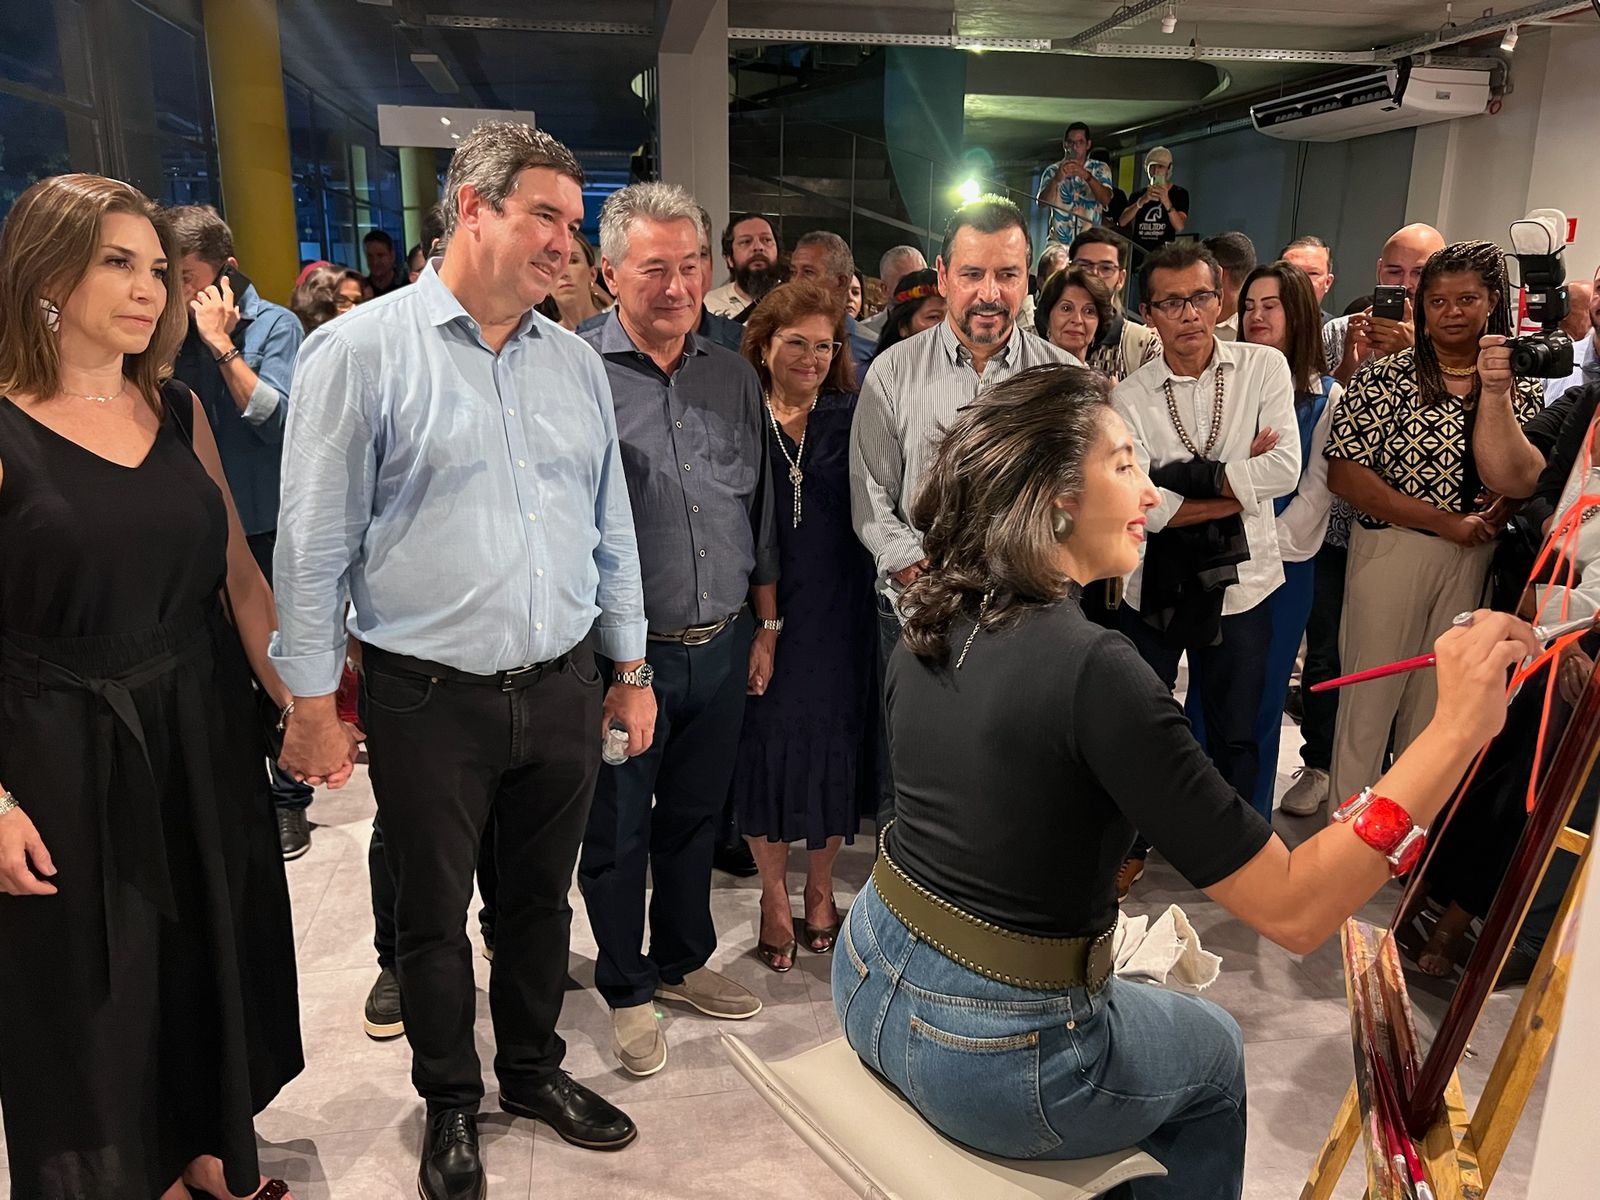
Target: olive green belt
[[1020, 959]]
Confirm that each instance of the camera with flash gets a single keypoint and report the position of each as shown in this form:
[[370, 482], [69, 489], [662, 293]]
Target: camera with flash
[[1538, 243]]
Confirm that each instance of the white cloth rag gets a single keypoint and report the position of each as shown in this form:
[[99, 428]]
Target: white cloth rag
[[1166, 951]]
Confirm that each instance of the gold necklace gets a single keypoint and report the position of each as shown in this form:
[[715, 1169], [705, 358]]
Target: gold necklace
[[1459, 372]]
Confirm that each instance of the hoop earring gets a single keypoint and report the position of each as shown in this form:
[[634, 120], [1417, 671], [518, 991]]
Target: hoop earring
[[1061, 524]]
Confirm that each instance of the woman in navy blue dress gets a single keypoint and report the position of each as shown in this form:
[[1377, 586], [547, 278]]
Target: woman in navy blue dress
[[803, 753]]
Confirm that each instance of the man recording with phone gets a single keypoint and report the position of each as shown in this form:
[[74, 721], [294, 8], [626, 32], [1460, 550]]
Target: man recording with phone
[[238, 358], [1386, 327], [1077, 188]]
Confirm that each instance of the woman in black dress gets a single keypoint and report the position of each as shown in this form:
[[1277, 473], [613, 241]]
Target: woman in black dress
[[147, 975], [974, 971], [800, 769]]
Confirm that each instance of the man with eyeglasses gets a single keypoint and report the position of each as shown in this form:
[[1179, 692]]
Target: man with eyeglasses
[[1099, 252], [1213, 422], [917, 386]]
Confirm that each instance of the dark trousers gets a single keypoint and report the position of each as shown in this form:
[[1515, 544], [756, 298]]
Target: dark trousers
[[444, 754], [700, 693], [381, 881], [287, 791], [888, 639], [1321, 709], [1229, 679]]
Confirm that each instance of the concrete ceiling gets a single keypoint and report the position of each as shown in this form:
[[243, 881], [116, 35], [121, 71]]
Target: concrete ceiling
[[578, 82]]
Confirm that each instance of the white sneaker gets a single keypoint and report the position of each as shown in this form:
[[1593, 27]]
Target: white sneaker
[[1307, 794]]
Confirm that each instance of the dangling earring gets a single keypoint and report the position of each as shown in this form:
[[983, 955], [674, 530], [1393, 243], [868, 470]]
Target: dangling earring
[[52, 314], [1061, 524]]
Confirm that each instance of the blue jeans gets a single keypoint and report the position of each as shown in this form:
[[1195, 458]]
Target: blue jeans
[[1027, 1074]]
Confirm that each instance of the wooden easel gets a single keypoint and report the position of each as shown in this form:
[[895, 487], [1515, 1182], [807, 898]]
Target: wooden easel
[[1461, 1154]]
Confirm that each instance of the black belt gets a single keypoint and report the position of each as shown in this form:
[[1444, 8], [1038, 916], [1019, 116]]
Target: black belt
[[507, 681], [696, 635]]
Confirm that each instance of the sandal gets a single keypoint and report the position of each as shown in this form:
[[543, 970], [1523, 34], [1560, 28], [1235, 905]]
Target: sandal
[[272, 1189], [770, 954], [819, 939]]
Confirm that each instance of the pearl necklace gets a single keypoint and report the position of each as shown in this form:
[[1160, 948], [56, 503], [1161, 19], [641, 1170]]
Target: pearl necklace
[[1216, 416], [796, 475]]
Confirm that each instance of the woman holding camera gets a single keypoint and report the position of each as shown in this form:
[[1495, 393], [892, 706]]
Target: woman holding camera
[[974, 970], [1405, 451]]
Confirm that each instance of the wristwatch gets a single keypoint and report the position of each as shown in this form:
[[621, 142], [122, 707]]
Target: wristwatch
[[1386, 827], [641, 676], [775, 624]]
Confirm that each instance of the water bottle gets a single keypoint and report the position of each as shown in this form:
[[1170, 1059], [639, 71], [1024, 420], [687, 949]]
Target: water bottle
[[614, 750]]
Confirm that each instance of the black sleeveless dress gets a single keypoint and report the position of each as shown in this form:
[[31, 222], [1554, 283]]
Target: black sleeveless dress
[[149, 1009]]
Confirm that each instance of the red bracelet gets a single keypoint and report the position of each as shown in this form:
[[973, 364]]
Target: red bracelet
[[1386, 827]]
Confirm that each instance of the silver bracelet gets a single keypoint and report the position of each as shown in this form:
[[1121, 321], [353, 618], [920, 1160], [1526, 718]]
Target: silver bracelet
[[7, 803]]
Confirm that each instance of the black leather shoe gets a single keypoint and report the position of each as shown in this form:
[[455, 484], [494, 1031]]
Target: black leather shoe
[[451, 1168], [381, 1016], [579, 1115], [736, 860]]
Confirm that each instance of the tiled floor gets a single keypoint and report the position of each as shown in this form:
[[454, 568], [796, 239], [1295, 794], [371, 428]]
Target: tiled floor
[[349, 1127]]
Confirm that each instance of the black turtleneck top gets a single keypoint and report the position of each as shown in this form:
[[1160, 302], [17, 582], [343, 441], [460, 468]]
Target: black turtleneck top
[[1021, 777]]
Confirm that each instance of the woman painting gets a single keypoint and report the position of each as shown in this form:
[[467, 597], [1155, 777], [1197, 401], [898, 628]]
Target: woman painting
[[800, 771], [146, 956], [1028, 746]]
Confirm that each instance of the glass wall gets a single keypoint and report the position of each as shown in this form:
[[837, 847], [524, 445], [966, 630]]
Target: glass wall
[[48, 122], [112, 88], [345, 184]]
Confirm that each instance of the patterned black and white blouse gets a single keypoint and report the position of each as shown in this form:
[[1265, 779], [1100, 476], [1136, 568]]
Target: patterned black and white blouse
[[1419, 449]]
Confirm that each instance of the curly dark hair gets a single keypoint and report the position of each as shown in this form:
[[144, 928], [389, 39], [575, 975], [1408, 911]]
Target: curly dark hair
[[1488, 262], [985, 502]]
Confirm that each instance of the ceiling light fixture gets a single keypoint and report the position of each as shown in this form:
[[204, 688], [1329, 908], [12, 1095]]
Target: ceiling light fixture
[[1169, 23], [1509, 42]]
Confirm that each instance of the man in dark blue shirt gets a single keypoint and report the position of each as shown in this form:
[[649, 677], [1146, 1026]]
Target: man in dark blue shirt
[[690, 423], [238, 357]]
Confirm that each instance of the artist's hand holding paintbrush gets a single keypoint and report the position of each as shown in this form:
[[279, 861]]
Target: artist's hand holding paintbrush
[[1473, 665]]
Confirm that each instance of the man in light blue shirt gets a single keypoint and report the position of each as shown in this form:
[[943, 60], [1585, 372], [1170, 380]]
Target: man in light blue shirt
[[452, 466]]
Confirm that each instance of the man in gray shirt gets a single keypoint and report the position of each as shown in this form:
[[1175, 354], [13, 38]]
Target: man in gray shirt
[[689, 420], [917, 386]]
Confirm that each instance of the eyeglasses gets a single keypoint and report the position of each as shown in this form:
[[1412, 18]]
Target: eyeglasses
[[1173, 308], [1103, 269], [801, 348]]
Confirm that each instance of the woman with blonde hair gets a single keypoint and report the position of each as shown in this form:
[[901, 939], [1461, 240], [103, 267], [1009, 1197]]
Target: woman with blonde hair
[[147, 970]]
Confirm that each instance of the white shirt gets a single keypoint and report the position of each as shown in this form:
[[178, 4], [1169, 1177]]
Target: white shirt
[[726, 301], [1304, 524], [1259, 394]]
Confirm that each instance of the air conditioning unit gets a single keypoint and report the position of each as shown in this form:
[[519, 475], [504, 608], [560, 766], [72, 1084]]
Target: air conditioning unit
[[1400, 97]]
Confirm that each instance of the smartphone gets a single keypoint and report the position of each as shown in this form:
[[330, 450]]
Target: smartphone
[[237, 280], [1389, 301]]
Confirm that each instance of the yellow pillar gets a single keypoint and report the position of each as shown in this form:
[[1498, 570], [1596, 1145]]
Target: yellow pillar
[[253, 140], [419, 190]]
